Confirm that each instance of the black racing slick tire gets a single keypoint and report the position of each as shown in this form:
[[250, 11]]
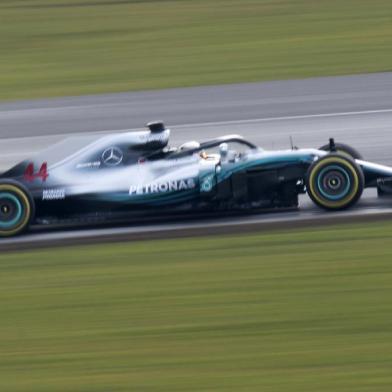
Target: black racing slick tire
[[335, 182], [16, 208], [344, 149]]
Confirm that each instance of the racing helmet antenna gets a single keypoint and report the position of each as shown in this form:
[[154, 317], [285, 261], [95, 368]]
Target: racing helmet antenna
[[293, 147]]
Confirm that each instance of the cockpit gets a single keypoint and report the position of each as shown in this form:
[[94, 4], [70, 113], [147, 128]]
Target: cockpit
[[227, 148], [124, 149]]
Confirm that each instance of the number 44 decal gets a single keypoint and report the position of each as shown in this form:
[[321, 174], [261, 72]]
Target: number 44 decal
[[29, 174]]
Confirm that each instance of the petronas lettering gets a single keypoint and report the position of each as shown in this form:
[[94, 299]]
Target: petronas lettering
[[163, 187]]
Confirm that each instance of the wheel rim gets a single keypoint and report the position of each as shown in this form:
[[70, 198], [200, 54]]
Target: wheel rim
[[11, 210], [334, 182]]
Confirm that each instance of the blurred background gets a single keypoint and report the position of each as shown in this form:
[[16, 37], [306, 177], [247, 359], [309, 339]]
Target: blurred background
[[72, 47], [306, 309]]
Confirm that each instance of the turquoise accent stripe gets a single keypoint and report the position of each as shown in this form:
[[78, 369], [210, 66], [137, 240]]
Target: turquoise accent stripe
[[284, 160], [153, 199]]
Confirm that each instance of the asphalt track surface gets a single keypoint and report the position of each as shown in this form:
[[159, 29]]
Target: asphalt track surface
[[353, 109]]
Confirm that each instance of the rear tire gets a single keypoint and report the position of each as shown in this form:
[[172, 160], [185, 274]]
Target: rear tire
[[344, 149], [335, 182], [16, 208]]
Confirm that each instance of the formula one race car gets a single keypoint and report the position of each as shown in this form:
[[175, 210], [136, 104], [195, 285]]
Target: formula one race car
[[137, 174]]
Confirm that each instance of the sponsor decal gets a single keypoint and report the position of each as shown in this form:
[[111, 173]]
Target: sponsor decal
[[53, 194], [152, 137], [112, 156], [163, 187], [88, 165], [30, 174], [207, 183]]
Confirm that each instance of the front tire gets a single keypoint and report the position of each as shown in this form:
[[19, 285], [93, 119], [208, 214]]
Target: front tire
[[344, 149], [335, 182], [16, 209]]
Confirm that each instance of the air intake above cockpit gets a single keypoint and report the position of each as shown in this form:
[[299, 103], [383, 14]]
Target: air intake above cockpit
[[156, 126]]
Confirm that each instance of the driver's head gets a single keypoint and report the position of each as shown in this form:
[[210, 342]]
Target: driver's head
[[223, 150], [203, 154]]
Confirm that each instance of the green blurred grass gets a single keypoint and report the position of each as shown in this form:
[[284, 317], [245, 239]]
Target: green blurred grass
[[70, 47], [302, 311]]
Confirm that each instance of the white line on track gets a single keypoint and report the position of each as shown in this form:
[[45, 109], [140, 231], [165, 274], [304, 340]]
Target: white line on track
[[54, 138], [229, 122], [283, 118], [262, 119]]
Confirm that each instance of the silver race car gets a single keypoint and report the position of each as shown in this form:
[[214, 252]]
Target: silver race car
[[136, 174]]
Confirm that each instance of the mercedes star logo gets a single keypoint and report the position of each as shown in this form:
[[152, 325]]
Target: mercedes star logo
[[112, 156]]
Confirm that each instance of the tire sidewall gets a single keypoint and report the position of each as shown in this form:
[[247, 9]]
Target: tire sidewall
[[349, 167]]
